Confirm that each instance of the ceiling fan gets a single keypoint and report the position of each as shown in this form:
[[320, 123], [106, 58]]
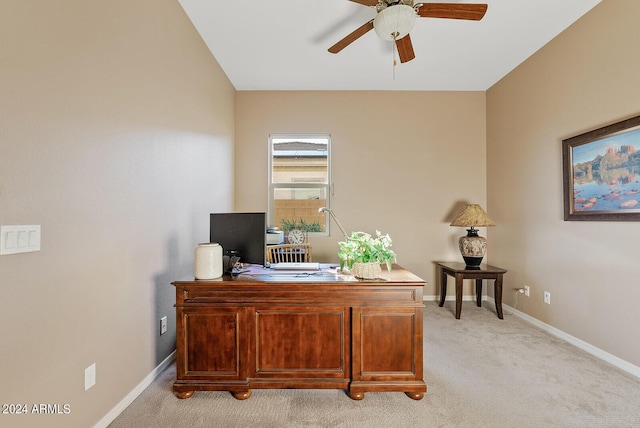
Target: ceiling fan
[[395, 18]]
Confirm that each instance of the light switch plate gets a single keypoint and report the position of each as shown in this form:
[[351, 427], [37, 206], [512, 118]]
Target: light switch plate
[[19, 239]]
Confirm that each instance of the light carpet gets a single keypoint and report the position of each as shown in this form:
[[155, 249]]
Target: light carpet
[[480, 372]]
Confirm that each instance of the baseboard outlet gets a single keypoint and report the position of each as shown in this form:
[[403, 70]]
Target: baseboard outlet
[[578, 343], [139, 389]]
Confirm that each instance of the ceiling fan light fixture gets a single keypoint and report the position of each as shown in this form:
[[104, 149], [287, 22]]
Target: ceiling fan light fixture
[[394, 22]]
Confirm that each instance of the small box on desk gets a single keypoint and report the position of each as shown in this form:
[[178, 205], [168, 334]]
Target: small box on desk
[[275, 238]]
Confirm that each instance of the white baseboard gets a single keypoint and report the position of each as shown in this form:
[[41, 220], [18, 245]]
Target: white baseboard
[[596, 352], [126, 401]]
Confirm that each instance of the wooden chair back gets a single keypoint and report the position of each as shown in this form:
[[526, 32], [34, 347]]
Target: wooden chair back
[[289, 253]]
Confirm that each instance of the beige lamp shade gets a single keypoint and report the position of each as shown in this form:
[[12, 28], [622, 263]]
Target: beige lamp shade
[[472, 246], [472, 216]]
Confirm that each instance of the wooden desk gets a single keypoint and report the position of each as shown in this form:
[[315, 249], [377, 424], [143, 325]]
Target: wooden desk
[[275, 329], [460, 271]]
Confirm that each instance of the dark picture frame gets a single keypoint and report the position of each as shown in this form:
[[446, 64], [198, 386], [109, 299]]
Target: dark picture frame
[[601, 173]]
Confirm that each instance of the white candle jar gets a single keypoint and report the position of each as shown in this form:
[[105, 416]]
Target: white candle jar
[[208, 261]]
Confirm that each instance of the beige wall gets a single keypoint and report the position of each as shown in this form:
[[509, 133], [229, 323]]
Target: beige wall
[[584, 79], [116, 136], [402, 162]]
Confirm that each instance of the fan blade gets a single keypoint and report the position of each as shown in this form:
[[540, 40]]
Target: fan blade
[[473, 12], [405, 49], [366, 2], [352, 37]]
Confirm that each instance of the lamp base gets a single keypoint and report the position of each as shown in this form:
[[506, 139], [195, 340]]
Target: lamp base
[[472, 247], [472, 261]]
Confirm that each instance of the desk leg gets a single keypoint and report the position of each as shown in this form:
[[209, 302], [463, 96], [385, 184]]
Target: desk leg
[[498, 292], [458, 295], [443, 287], [479, 292]]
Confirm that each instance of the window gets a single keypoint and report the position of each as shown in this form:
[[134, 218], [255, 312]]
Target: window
[[299, 182]]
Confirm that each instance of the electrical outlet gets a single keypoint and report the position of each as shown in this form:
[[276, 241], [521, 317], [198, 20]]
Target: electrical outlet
[[526, 290], [163, 325], [547, 297], [89, 376]]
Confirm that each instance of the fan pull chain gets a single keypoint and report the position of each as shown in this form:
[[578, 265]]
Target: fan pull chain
[[394, 55]]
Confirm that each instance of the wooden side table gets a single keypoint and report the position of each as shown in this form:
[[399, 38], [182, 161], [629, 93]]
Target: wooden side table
[[461, 271]]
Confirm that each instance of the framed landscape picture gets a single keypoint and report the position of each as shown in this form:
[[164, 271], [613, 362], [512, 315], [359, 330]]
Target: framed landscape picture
[[601, 171]]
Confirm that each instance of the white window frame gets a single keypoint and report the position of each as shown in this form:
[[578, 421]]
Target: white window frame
[[328, 186]]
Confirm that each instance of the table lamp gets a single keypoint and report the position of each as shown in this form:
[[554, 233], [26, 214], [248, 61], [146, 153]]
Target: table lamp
[[472, 246]]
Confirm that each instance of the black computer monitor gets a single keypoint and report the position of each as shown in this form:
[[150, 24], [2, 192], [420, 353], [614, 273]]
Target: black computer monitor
[[242, 233]]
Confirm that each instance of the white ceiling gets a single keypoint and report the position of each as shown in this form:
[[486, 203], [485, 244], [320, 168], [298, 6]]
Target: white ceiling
[[282, 44]]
